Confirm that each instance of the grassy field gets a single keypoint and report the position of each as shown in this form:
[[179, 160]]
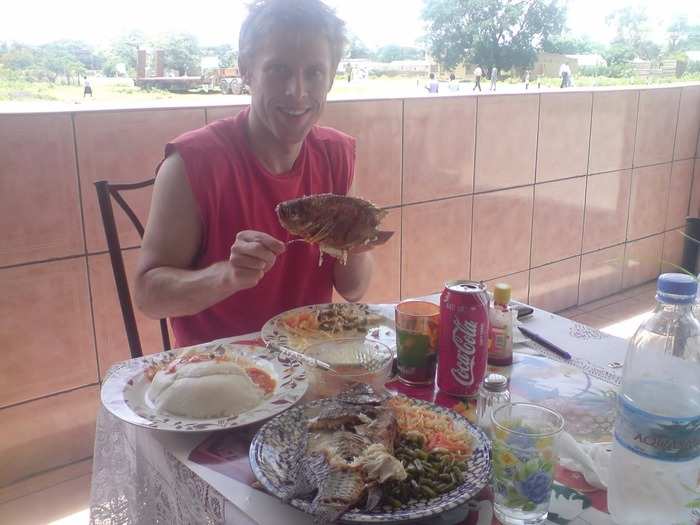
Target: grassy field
[[109, 90]]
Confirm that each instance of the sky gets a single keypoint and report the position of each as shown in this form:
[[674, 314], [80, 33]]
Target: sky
[[376, 22]]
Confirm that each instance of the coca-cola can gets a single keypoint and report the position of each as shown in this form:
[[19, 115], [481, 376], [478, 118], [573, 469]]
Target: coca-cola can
[[463, 341]]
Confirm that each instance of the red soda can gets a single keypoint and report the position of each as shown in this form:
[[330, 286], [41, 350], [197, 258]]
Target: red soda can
[[463, 342]]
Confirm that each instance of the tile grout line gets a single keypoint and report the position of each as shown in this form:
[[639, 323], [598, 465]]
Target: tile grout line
[[585, 206], [629, 202], [673, 161], [85, 255], [45, 472], [64, 258], [46, 396], [471, 225], [534, 196], [401, 184]]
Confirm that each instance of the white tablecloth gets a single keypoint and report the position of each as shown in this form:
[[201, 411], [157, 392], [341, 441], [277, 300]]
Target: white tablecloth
[[143, 476]]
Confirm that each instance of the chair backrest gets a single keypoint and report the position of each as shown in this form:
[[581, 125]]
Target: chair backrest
[[105, 193]]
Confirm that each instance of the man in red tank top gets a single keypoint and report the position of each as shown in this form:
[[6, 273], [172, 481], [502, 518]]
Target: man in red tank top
[[214, 257]]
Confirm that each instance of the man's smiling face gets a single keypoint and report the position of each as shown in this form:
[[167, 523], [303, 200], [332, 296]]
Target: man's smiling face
[[289, 78]]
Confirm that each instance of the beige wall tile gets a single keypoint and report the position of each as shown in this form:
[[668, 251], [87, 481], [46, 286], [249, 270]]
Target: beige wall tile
[[642, 260], [124, 146], [38, 189], [47, 433], [385, 286], [648, 200], [219, 112], [46, 330], [601, 274], [112, 344], [506, 143], [501, 231], [519, 283], [439, 138], [673, 251], [694, 209], [607, 206], [435, 245], [656, 126], [377, 127], [688, 123], [564, 133], [558, 220], [554, 287], [612, 130], [679, 193]]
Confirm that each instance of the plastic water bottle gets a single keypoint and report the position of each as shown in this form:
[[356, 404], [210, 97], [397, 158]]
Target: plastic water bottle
[[654, 475]]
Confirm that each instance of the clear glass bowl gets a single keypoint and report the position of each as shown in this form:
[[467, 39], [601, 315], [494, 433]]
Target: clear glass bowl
[[353, 360]]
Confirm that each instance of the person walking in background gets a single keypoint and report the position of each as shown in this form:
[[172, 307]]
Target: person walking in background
[[453, 85], [348, 71], [433, 84], [494, 78], [87, 90], [565, 74], [478, 73], [527, 79]]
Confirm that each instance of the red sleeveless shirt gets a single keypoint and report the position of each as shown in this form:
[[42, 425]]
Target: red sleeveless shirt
[[235, 192]]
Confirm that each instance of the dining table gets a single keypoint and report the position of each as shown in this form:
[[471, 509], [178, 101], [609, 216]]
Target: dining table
[[149, 476]]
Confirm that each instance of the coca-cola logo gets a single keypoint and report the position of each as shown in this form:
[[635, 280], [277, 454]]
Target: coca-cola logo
[[464, 338]]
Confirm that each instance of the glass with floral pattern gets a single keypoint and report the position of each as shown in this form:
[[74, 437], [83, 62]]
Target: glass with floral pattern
[[524, 457]]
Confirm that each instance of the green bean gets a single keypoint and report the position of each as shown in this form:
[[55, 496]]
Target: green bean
[[418, 465], [394, 502], [428, 491], [445, 477]]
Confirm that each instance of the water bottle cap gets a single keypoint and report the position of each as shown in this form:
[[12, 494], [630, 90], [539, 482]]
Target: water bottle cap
[[676, 288]]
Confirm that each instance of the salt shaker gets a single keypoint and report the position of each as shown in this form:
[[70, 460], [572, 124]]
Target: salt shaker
[[493, 392]]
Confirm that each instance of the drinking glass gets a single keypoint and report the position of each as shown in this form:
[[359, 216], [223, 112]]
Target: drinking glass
[[524, 458], [417, 330]]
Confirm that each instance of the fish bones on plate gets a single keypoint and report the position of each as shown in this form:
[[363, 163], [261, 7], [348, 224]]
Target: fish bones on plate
[[337, 223], [347, 452]]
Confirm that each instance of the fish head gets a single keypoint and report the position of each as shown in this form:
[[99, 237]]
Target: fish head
[[296, 214]]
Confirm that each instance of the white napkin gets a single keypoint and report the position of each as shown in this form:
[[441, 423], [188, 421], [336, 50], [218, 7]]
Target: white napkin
[[589, 459]]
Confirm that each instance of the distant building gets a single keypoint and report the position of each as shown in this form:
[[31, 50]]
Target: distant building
[[547, 64], [588, 60]]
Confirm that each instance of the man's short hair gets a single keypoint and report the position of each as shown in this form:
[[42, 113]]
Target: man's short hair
[[308, 16]]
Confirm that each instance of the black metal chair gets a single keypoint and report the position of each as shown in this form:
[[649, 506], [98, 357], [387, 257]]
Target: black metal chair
[[105, 193]]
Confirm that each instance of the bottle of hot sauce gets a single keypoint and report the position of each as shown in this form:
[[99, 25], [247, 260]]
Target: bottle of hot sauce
[[501, 327]]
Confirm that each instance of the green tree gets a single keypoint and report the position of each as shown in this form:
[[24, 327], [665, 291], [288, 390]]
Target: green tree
[[77, 50], [571, 45], [501, 33], [357, 48], [225, 53], [125, 48], [631, 38], [182, 53], [392, 52]]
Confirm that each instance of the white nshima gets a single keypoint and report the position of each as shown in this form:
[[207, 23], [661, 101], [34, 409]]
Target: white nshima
[[204, 390]]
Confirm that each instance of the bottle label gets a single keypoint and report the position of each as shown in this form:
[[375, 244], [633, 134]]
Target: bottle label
[[657, 437]]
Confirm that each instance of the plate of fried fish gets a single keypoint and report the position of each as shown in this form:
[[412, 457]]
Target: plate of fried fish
[[301, 327], [366, 457]]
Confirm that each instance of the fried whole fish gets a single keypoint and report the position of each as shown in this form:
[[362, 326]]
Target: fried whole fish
[[345, 454], [336, 223]]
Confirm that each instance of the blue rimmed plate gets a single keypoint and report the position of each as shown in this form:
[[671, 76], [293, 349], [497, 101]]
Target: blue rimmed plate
[[272, 453]]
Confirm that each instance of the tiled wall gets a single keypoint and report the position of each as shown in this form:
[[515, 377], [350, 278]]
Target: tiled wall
[[568, 196]]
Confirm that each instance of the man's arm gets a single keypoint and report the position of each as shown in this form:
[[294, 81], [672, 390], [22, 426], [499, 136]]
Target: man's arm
[[165, 284], [351, 280]]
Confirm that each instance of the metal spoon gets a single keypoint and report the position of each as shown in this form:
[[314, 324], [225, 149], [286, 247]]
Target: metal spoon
[[301, 357]]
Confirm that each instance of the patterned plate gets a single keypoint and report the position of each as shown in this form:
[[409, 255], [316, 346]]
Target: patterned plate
[[273, 447], [377, 324], [124, 390]]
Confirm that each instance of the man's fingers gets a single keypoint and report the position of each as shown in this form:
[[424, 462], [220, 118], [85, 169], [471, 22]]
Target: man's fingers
[[254, 250], [240, 260], [268, 241]]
